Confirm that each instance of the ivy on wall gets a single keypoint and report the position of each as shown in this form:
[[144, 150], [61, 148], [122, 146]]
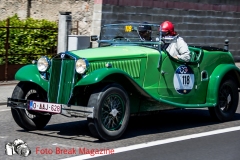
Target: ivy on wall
[[27, 40]]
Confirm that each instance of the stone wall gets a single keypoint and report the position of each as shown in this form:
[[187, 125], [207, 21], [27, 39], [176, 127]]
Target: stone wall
[[49, 9], [11, 7], [207, 23]]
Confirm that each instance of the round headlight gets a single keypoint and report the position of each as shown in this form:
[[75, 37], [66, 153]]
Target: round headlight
[[81, 66], [43, 64]]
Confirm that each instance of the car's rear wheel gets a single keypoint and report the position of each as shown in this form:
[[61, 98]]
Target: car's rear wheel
[[111, 112], [227, 101], [29, 120]]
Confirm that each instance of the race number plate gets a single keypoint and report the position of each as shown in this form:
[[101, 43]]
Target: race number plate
[[45, 107], [183, 79]]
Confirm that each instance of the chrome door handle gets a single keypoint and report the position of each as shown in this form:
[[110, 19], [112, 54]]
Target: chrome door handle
[[163, 72]]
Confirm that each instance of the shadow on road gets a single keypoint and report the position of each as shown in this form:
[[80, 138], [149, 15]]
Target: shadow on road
[[168, 121], [165, 121]]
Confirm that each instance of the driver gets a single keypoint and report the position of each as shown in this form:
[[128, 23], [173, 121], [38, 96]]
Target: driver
[[177, 49], [145, 31]]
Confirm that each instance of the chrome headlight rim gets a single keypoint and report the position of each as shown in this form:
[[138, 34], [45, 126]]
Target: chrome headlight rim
[[47, 64], [83, 68]]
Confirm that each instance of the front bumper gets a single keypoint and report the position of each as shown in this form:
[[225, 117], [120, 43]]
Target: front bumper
[[66, 110]]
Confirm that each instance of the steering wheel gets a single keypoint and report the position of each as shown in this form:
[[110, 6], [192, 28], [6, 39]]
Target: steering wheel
[[120, 38]]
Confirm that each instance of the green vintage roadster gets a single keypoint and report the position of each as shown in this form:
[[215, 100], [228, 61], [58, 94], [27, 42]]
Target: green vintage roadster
[[125, 75]]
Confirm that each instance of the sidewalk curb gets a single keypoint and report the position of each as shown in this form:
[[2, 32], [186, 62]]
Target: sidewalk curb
[[8, 83]]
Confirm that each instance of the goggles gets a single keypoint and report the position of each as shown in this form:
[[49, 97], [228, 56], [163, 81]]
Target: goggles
[[164, 33]]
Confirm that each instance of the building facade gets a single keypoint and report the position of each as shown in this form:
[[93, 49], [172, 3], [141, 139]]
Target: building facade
[[203, 22]]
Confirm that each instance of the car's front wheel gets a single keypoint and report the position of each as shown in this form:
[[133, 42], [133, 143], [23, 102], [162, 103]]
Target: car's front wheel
[[111, 112], [227, 101], [29, 120]]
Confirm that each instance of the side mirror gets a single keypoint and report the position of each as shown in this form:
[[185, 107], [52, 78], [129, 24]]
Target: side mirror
[[226, 46], [94, 38]]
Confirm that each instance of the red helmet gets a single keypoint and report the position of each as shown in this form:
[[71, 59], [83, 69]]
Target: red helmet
[[167, 26]]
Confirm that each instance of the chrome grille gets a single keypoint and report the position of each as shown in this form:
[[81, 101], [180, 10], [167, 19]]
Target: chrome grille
[[61, 80]]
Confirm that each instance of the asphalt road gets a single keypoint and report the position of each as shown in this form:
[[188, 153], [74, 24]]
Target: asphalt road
[[218, 147], [72, 135]]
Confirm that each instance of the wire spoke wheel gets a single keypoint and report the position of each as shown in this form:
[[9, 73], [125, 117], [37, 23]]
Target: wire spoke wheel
[[227, 101], [112, 112], [225, 98]]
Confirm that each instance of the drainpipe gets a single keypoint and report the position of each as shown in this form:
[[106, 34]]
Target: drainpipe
[[64, 29], [7, 46], [29, 5]]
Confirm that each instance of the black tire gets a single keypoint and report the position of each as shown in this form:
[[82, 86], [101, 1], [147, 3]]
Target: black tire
[[109, 123], [227, 101], [29, 120]]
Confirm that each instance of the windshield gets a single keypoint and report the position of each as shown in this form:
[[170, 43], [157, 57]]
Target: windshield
[[130, 34]]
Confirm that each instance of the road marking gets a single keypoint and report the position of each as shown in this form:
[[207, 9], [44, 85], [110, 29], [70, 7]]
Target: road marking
[[159, 142], [3, 137], [63, 145], [3, 110]]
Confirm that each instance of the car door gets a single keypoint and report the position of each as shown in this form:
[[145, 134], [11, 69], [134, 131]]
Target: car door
[[179, 81]]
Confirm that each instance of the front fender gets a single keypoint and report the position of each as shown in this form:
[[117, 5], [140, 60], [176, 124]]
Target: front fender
[[30, 73], [215, 81], [98, 75]]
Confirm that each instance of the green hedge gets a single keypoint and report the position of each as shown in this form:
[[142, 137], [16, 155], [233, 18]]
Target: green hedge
[[27, 40]]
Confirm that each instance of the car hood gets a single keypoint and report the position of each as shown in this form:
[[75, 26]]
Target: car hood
[[114, 52]]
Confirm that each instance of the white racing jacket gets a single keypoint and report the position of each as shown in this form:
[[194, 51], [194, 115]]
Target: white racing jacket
[[179, 48]]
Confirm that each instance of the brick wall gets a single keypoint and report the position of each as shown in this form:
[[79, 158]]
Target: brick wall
[[207, 23]]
